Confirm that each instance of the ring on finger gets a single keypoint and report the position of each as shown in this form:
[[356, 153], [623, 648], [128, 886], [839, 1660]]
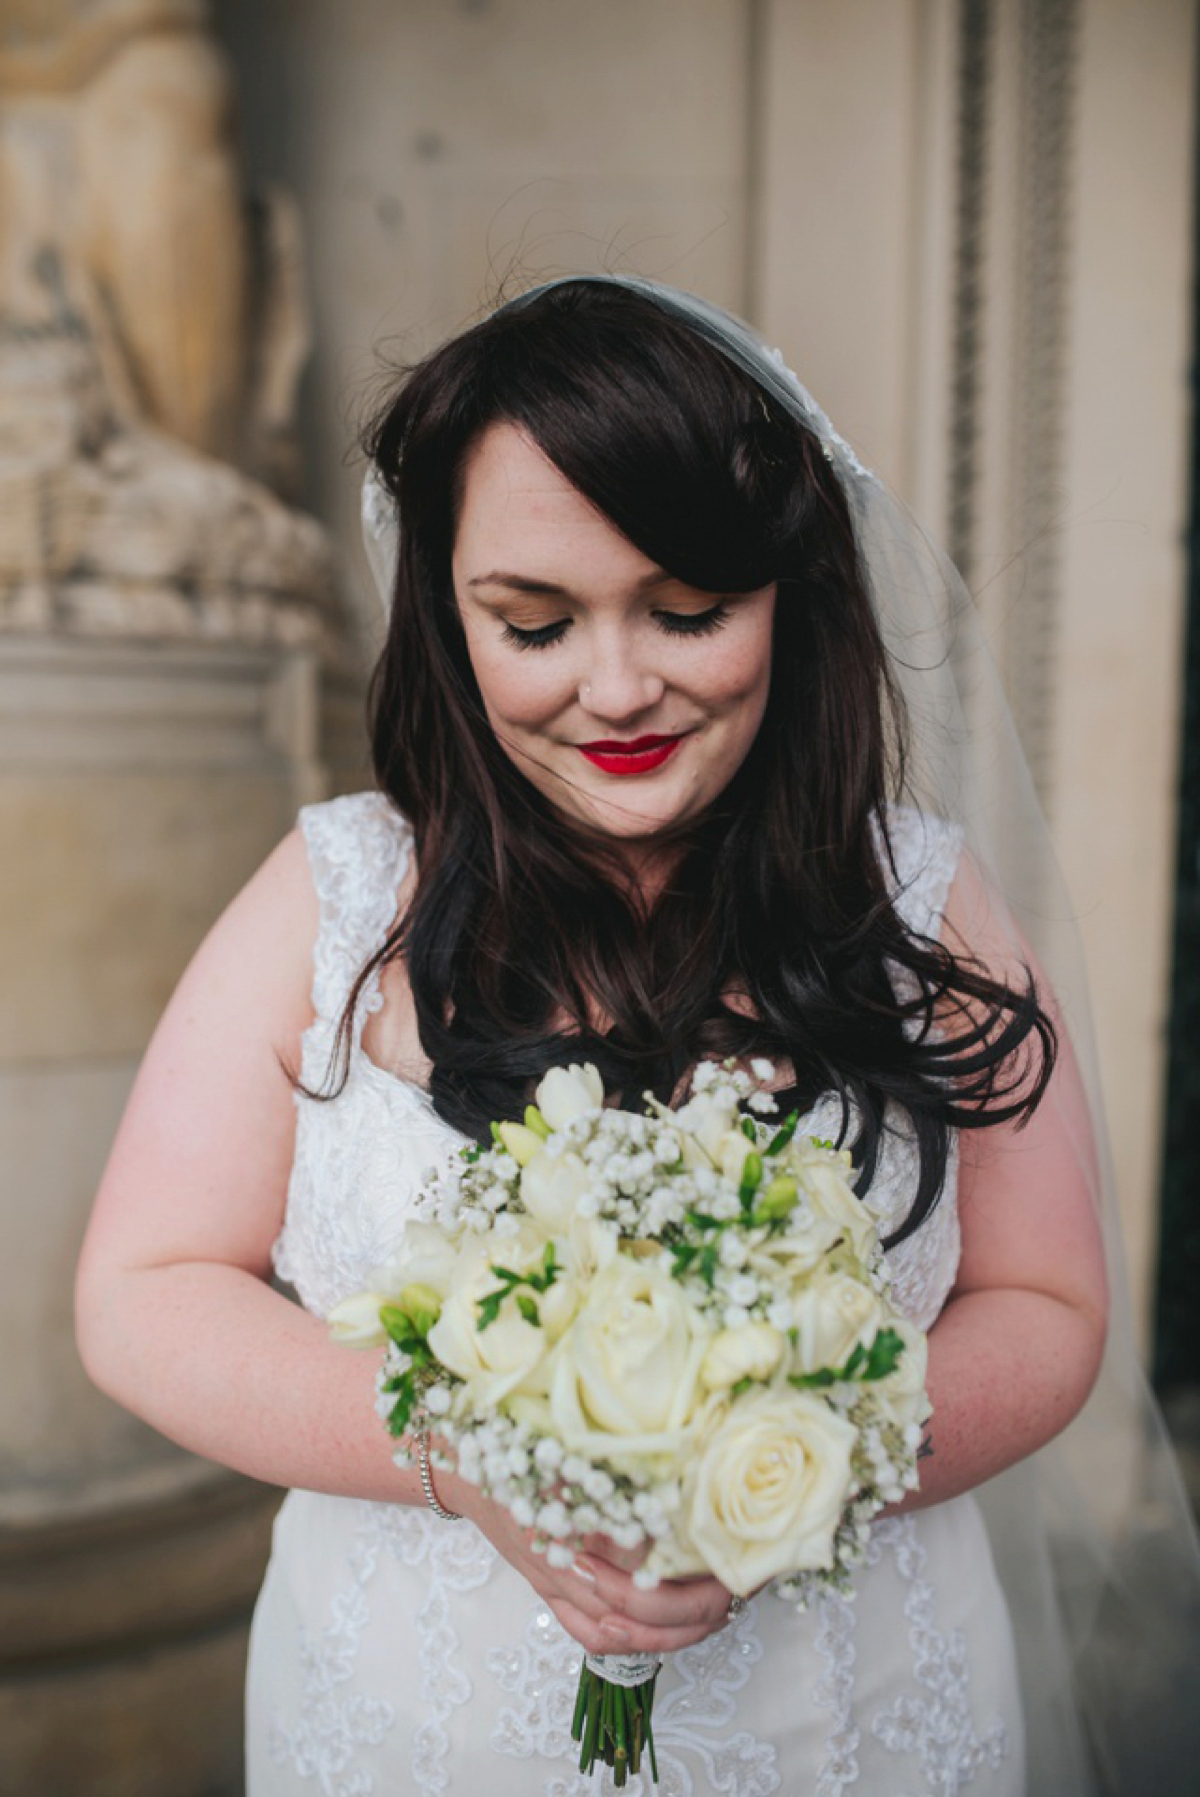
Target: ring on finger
[[736, 1606]]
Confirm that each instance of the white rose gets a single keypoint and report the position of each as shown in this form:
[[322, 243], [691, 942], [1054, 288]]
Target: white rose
[[769, 1488], [551, 1187], [902, 1396], [567, 1092], [494, 1360], [830, 1314], [752, 1352], [791, 1257], [625, 1377], [426, 1256], [822, 1179], [355, 1321]]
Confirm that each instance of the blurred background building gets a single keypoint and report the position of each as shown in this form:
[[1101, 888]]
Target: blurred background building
[[970, 226]]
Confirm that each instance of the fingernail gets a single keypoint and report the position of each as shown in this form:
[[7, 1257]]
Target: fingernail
[[585, 1569], [615, 1633]]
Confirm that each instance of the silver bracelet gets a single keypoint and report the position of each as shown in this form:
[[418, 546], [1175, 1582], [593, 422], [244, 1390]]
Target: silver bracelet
[[431, 1496]]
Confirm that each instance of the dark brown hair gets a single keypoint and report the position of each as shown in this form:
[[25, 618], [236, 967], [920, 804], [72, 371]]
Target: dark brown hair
[[782, 891]]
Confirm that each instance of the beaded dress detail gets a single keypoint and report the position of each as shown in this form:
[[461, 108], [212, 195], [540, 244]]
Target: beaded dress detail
[[392, 1652]]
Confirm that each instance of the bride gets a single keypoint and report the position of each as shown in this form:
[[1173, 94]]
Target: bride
[[646, 786]]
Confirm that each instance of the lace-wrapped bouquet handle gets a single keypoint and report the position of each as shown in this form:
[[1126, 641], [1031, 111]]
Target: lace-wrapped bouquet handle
[[674, 1329]]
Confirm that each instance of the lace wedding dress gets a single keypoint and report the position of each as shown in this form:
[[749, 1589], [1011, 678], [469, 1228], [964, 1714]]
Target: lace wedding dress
[[395, 1653]]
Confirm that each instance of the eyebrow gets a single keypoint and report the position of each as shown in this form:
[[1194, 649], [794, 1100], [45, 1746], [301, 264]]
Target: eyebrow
[[525, 583]]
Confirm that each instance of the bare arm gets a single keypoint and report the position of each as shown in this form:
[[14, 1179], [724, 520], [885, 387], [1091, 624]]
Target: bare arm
[[174, 1315], [1017, 1348]]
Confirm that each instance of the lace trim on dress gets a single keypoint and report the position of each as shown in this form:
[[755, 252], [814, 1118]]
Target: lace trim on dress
[[331, 1728], [334, 1723], [936, 1724]]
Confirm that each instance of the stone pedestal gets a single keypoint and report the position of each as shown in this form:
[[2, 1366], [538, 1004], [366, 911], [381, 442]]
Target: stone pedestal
[[140, 785]]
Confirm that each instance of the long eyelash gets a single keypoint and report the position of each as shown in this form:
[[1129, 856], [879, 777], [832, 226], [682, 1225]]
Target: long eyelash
[[536, 639], [700, 623], [673, 623]]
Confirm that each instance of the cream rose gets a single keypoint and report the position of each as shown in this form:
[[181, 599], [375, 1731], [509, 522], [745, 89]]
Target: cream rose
[[902, 1395], [822, 1179], [568, 1092], [751, 1352], [626, 1375], [495, 1360], [830, 1315], [769, 1488]]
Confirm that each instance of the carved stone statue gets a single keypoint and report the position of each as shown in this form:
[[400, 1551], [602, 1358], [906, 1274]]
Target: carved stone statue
[[152, 331]]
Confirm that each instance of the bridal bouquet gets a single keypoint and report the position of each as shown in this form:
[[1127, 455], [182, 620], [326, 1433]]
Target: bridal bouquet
[[673, 1329]]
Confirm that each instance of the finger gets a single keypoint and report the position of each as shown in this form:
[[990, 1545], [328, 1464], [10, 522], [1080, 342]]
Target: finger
[[673, 1603], [617, 1634], [603, 1547], [583, 1628]]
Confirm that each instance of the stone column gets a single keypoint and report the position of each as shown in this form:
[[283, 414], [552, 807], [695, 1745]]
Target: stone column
[[173, 683]]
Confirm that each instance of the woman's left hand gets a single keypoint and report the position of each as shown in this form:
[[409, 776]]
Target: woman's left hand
[[673, 1614]]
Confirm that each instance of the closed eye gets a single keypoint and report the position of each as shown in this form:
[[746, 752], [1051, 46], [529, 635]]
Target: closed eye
[[673, 623]]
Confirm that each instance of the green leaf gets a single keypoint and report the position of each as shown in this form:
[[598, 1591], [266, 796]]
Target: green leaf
[[684, 1253], [699, 1221], [489, 1308], [497, 1138], [528, 1309], [884, 1357], [402, 1409], [748, 1130], [741, 1386], [706, 1265], [784, 1133], [863, 1364]]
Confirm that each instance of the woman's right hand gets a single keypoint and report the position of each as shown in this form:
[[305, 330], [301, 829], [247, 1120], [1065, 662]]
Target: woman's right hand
[[596, 1599]]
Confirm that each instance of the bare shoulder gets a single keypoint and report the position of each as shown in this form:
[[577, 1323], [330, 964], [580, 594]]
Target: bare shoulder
[[200, 1165]]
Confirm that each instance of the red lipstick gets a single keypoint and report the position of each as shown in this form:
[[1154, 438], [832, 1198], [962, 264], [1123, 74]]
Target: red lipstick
[[641, 755]]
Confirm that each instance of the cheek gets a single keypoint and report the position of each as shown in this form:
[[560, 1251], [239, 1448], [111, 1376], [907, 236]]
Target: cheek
[[737, 670], [520, 695]]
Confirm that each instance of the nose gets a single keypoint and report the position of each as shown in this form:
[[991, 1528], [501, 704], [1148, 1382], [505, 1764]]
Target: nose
[[618, 686]]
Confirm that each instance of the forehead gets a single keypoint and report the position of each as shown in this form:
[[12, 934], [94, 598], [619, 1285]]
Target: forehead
[[516, 503]]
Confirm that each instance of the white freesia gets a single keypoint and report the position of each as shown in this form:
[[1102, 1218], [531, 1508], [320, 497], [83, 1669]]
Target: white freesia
[[901, 1396], [568, 1092], [355, 1321], [551, 1187], [425, 1256], [732, 1150], [831, 1314], [768, 1489], [707, 1118], [589, 1244], [752, 1352], [625, 1379], [495, 1360]]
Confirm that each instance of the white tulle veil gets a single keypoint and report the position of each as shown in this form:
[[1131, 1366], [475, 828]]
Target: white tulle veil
[[1093, 1535]]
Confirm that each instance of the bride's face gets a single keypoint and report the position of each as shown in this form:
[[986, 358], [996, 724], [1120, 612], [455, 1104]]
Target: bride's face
[[626, 697]]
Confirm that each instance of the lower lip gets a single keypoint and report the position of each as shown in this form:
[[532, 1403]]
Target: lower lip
[[644, 762]]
